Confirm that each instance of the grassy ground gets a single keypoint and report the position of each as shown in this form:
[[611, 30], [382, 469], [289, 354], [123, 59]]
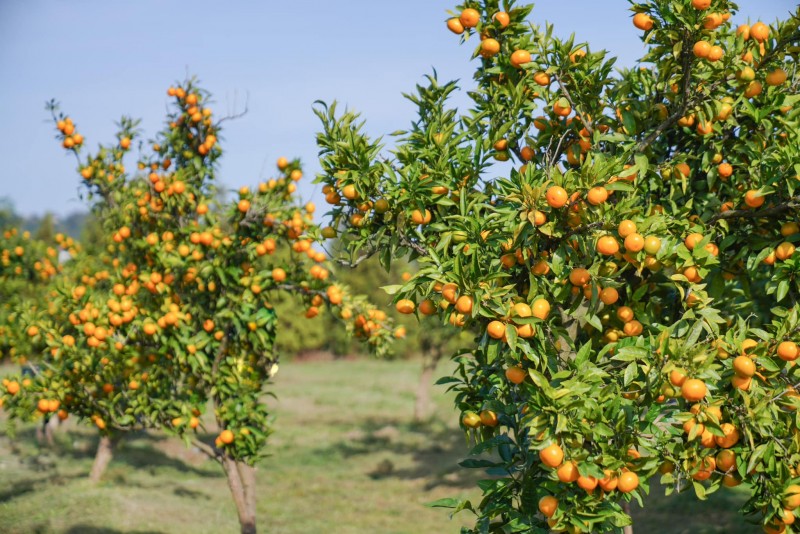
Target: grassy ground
[[345, 458]]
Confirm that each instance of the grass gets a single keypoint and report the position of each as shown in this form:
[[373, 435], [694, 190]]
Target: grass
[[345, 459]]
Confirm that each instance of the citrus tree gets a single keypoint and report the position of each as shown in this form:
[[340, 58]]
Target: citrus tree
[[624, 242], [175, 315]]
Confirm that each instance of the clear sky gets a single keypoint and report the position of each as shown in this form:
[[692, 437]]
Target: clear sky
[[103, 59]]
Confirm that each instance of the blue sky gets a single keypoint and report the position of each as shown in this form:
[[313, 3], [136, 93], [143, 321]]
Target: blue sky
[[104, 59]]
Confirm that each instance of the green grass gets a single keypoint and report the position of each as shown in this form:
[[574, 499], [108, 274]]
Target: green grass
[[345, 458]]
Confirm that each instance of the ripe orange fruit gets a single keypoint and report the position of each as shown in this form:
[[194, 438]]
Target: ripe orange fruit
[[405, 306], [541, 309], [502, 18], [643, 21], [607, 245], [521, 309], [628, 481], [716, 53], [626, 228], [701, 49], [705, 468], [759, 31], [568, 472], [744, 366], [418, 217], [552, 455], [12, 387], [516, 375], [520, 57], [243, 206], [784, 250], [730, 438], [489, 418], [609, 481], [753, 199], [701, 5], [589, 483], [449, 292], [226, 437], [692, 240], [490, 47], [597, 195], [609, 295], [694, 390], [791, 497], [455, 26], [496, 330], [470, 18], [556, 196], [726, 460], [634, 243], [543, 79], [561, 107], [579, 277], [725, 169], [427, 307], [278, 274], [776, 77], [548, 505], [464, 304], [787, 351], [741, 382]]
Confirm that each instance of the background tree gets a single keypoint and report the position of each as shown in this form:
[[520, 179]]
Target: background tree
[[177, 313], [632, 270]]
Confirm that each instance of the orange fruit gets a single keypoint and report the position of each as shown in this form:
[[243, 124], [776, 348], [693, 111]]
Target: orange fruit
[[579, 277], [496, 330], [502, 18], [705, 468], [489, 418], [520, 57], [701, 5], [776, 77], [589, 483], [787, 351], [520, 309], [784, 250], [455, 26], [552, 455], [226, 437], [701, 49], [741, 382], [405, 306], [541, 309], [627, 482], [548, 505], [609, 482], [543, 79], [626, 228], [744, 366], [568, 472], [694, 390], [419, 217], [516, 375], [607, 245], [597, 195], [490, 47], [753, 199], [471, 420], [470, 18], [625, 314], [692, 240], [556, 196], [449, 292], [464, 304], [427, 307], [791, 497], [609, 295], [716, 53], [652, 244], [759, 31], [730, 438], [634, 243], [643, 21], [726, 460]]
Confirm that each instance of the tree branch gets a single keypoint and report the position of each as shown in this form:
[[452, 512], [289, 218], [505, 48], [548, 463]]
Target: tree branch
[[751, 214]]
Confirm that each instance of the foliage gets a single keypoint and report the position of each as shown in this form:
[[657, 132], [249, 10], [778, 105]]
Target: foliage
[[632, 270]]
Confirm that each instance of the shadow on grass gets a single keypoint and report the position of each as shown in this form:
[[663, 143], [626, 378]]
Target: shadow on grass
[[435, 451], [90, 529], [22, 487]]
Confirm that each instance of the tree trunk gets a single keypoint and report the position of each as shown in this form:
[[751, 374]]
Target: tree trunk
[[422, 403], [242, 483], [626, 507], [105, 451]]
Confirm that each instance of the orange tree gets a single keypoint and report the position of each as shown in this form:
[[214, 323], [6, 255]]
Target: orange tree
[[631, 268], [176, 314]]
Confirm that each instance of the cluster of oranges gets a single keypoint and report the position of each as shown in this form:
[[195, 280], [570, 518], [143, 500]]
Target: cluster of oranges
[[72, 139]]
